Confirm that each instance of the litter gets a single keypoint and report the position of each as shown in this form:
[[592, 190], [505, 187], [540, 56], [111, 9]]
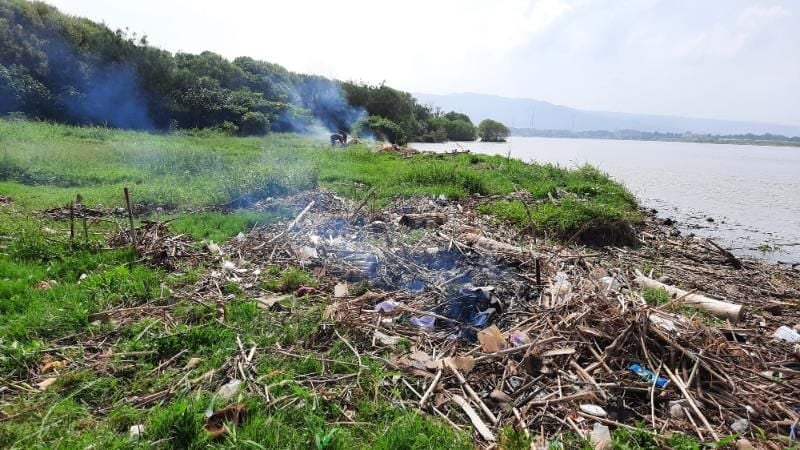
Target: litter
[[422, 321], [787, 334], [648, 376]]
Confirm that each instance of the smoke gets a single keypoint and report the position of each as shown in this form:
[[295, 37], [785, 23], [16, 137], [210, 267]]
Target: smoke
[[90, 88], [113, 98], [326, 102]]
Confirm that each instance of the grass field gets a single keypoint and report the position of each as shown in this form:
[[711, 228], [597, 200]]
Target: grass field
[[53, 290]]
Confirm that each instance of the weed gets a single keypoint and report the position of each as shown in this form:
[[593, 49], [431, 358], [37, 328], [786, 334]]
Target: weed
[[656, 296]]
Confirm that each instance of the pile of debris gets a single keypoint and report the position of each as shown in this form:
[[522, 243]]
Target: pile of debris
[[153, 242], [495, 329]]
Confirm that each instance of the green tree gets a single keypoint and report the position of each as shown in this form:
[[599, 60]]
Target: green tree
[[460, 130], [254, 123], [452, 115], [492, 131], [383, 129]]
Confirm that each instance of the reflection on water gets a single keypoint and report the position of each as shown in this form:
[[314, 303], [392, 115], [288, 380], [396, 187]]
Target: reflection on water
[[752, 193]]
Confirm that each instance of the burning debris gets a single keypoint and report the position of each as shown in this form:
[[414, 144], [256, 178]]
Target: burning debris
[[503, 330], [491, 328]]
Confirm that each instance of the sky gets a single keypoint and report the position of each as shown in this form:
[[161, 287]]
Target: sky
[[724, 59]]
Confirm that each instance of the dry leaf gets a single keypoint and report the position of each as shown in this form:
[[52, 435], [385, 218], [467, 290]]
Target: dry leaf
[[269, 302], [385, 339], [330, 311], [501, 396], [216, 423], [53, 365], [192, 363], [464, 364], [492, 339], [44, 384]]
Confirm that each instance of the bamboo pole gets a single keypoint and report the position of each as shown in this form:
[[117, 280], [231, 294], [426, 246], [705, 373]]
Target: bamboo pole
[[130, 220]]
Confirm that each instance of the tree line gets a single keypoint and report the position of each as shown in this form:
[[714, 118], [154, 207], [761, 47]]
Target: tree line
[[73, 70]]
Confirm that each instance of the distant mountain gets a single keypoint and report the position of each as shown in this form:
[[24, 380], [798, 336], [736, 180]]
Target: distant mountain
[[537, 114]]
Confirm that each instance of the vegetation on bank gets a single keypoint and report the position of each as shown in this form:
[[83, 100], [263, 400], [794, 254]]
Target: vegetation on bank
[[492, 131], [636, 135], [73, 70], [45, 165], [54, 291]]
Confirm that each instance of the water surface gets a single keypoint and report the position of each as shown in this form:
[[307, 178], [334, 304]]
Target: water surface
[[751, 192]]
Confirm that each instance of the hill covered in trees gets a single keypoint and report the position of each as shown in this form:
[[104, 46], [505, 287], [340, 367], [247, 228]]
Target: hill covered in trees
[[73, 70]]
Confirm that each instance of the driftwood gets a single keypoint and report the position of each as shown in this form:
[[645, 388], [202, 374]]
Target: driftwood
[[492, 245], [423, 220], [717, 308]]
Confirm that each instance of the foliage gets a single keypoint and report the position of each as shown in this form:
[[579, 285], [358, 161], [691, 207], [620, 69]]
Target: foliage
[[254, 123], [655, 296], [492, 131], [382, 129], [72, 70]]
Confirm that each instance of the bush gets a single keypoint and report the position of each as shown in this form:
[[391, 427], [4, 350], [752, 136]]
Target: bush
[[460, 130], [254, 123], [382, 129], [492, 131]]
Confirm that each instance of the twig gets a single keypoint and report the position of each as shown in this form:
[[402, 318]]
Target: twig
[[430, 389], [691, 401]]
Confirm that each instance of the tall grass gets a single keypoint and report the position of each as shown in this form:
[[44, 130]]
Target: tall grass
[[45, 164]]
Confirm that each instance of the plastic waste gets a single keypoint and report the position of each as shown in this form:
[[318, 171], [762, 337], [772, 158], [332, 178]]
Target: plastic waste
[[561, 289], [609, 283], [518, 338], [648, 376], [740, 426], [594, 410], [136, 431], [492, 339], [227, 390], [386, 306], [600, 436], [423, 321], [787, 334]]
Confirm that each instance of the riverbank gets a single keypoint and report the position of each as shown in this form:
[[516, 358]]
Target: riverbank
[[746, 191], [276, 328]]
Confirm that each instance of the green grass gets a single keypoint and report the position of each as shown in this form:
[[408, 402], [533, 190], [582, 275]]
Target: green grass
[[218, 226], [656, 296], [46, 165], [43, 165], [69, 413]]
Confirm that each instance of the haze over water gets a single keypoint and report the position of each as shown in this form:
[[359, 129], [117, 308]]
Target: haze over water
[[751, 192]]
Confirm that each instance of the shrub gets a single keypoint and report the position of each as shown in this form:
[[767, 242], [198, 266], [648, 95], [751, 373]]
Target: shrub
[[492, 131], [382, 129], [254, 123]]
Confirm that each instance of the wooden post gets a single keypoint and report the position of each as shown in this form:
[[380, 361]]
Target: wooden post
[[82, 212], [538, 273], [71, 221], [130, 221]]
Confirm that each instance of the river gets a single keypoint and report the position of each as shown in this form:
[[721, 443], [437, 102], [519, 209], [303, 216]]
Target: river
[[752, 193]]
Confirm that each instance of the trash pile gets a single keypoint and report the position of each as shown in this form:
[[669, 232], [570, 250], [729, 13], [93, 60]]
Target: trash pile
[[492, 329], [155, 244]]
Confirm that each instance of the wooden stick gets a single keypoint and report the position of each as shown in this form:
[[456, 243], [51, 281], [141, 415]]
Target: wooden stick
[[691, 401], [71, 221], [585, 375], [471, 392], [483, 430], [718, 308], [300, 216], [430, 389], [130, 220], [370, 193]]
